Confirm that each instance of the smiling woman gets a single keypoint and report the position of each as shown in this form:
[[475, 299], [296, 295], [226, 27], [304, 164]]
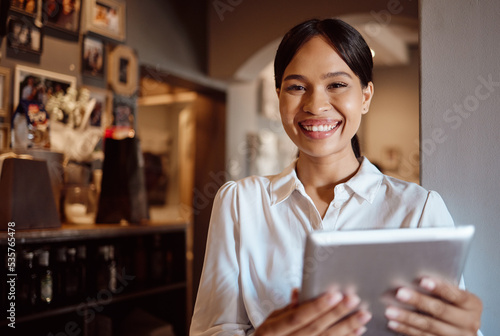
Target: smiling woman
[[259, 224]]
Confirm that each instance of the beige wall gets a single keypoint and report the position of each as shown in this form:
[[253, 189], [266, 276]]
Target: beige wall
[[460, 137], [239, 28], [393, 120]]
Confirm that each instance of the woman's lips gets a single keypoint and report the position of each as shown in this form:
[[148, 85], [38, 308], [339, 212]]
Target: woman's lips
[[319, 129]]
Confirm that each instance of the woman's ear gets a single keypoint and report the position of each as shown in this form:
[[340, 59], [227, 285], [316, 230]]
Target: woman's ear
[[368, 92], [278, 91]]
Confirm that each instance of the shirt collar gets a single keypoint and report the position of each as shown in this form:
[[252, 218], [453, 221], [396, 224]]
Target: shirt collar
[[365, 183]]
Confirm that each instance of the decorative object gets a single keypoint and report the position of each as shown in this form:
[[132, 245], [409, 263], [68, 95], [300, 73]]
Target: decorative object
[[30, 82], [123, 71], [70, 134], [63, 15], [27, 7], [101, 115], [93, 57], [107, 18], [124, 111], [23, 35]]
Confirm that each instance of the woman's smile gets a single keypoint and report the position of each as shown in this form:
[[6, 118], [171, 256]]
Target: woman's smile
[[319, 128]]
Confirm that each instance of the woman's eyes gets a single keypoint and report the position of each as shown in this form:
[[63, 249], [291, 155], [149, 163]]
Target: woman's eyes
[[300, 88]]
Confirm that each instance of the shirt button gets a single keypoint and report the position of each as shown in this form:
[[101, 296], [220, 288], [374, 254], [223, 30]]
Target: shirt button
[[337, 205]]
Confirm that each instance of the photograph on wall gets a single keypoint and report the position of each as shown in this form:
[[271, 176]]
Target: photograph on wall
[[124, 111], [24, 6], [123, 70], [23, 35], [107, 18], [63, 15], [101, 114], [39, 85], [93, 57]]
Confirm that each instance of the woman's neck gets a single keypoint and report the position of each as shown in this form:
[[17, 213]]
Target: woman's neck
[[320, 176]]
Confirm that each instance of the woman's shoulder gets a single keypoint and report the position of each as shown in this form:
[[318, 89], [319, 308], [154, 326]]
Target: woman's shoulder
[[247, 185]]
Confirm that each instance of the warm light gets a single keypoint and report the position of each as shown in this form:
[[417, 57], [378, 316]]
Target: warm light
[[373, 52]]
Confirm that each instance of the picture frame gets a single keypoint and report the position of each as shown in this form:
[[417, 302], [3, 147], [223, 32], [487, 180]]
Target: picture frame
[[106, 18], [23, 35], [93, 57], [123, 70], [101, 115], [26, 7], [29, 82], [124, 111], [63, 15], [4, 95]]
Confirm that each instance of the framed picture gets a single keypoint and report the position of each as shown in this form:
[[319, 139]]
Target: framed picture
[[23, 35], [124, 111], [4, 137], [28, 7], [93, 57], [101, 115], [36, 84], [123, 70], [4, 94], [107, 18], [63, 15]]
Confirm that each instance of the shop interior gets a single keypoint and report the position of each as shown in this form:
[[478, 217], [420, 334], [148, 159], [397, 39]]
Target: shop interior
[[146, 109]]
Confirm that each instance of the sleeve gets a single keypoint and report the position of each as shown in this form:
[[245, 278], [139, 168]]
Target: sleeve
[[435, 213], [219, 308]]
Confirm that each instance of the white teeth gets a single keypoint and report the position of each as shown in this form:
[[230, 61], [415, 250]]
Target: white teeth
[[320, 128]]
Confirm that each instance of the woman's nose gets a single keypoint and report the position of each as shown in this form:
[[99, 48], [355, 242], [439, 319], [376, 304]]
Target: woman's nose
[[317, 102]]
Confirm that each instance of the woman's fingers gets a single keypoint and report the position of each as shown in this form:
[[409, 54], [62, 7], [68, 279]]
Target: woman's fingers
[[448, 311], [290, 319], [317, 317], [326, 324]]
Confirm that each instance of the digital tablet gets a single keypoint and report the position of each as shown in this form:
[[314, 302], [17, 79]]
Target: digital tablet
[[375, 263]]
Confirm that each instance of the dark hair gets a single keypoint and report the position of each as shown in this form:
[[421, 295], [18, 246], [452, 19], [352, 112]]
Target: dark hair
[[343, 38]]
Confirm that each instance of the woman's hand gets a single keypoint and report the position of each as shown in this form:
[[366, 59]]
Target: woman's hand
[[448, 311], [321, 316]]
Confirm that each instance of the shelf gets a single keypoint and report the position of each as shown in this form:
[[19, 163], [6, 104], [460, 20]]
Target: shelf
[[69, 232], [95, 303]]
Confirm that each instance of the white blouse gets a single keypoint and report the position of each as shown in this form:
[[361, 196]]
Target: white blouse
[[257, 235]]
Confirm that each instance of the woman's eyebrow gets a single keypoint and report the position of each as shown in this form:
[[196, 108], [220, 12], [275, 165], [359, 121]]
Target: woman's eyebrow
[[293, 76], [336, 74]]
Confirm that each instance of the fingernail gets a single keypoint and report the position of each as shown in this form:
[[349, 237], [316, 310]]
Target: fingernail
[[393, 325], [364, 317], [361, 331], [353, 301], [391, 313], [334, 298], [428, 284], [404, 294]]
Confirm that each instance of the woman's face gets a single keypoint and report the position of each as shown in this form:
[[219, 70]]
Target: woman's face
[[321, 101]]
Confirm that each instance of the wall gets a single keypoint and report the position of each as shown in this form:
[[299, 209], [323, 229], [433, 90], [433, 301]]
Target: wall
[[459, 130], [393, 120], [239, 28], [166, 44]]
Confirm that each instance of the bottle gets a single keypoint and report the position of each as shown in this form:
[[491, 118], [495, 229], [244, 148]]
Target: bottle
[[81, 262], [46, 280], [72, 277], [28, 284], [112, 269], [157, 262], [60, 276], [106, 275]]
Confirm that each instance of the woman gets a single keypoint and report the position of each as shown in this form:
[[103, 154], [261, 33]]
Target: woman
[[323, 72]]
